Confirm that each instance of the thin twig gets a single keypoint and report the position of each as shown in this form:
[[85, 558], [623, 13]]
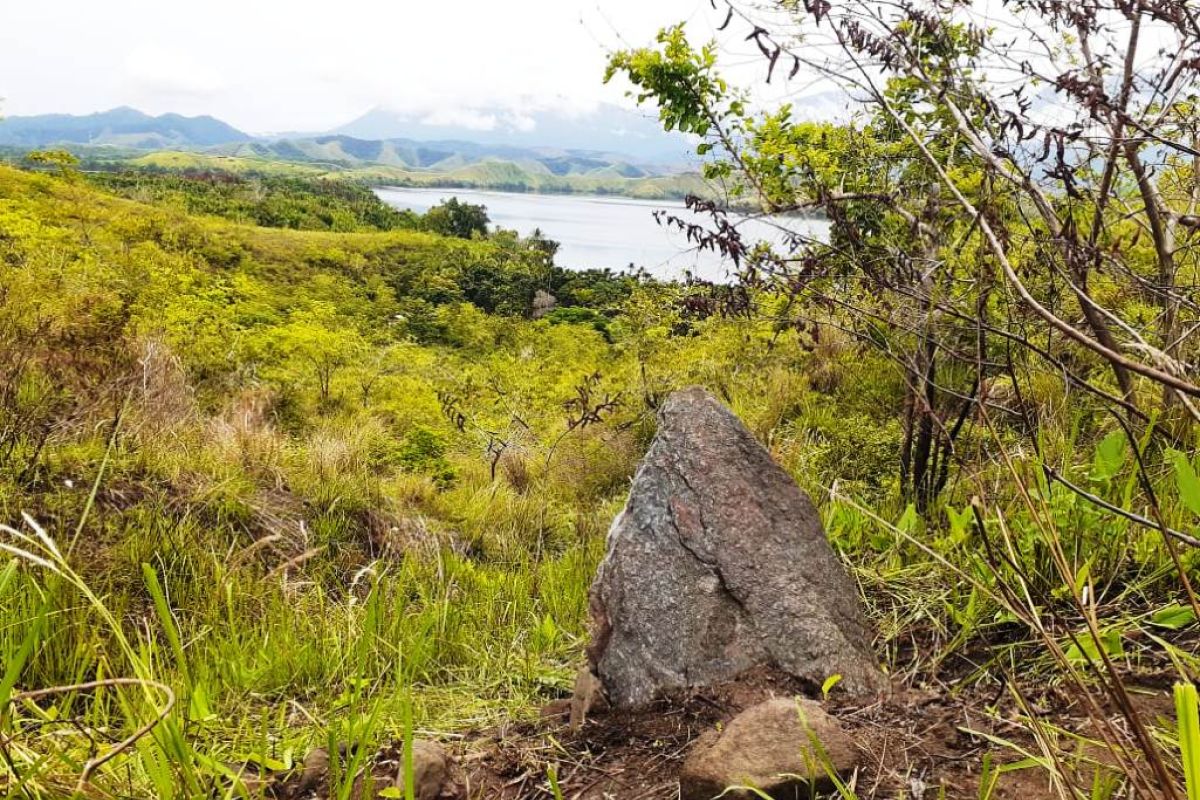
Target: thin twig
[[95, 763]]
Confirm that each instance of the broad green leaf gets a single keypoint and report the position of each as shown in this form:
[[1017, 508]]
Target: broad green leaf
[[1187, 722], [199, 708], [1113, 644], [1186, 481], [960, 522], [1110, 456], [910, 520], [1086, 648], [1081, 578], [1173, 617]]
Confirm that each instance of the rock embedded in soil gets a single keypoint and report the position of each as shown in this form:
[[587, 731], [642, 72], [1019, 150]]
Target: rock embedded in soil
[[435, 773], [316, 770], [717, 565], [770, 747]]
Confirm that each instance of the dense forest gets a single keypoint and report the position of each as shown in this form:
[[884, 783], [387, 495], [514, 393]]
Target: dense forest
[[282, 467]]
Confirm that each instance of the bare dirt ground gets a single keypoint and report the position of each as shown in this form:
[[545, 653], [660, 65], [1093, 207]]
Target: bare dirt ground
[[916, 743], [927, 738]]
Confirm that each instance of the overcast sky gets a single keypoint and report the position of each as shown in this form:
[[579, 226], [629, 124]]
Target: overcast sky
[[277, 65]]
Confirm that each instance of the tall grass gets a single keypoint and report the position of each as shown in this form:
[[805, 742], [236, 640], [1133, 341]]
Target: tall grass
[[255, 662]]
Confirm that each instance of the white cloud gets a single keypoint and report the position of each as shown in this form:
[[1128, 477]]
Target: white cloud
[[461, 117], [152, 67], [520, 122]]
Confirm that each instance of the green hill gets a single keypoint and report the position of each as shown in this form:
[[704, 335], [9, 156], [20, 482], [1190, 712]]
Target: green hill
[[486, 174]]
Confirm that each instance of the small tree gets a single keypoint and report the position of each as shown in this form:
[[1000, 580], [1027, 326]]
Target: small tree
[[377, 364], [458, 219], [318, 348], [61, 160]]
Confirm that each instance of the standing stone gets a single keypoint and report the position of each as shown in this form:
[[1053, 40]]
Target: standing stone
[[719, 564]]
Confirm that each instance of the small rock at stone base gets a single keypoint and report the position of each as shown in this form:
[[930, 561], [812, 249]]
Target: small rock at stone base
[[769, 747], [435, 773]]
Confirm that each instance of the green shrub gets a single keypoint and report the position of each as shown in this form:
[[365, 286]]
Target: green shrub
[[421, 451]]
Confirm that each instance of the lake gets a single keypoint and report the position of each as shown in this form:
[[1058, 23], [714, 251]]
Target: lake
[[599, 232]]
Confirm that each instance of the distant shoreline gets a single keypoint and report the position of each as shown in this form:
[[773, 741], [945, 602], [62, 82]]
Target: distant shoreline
[[744, 210]]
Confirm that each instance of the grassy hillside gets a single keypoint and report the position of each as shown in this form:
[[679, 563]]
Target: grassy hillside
[[279, 429], [488, 174], [320, 483], [275, 201]]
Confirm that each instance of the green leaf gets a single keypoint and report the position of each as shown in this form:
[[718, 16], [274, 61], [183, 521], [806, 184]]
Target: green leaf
[[1173, 617], [199, 708], [1186, 481], [1086, 649], [1187, 721], [1113, 644], [266, 762], [391, 791], [552, 776], [960, 522], [1110, 456], [169, 625], [16, 661], [830, 682], [1081, 578], [910, 520], [7, 575]]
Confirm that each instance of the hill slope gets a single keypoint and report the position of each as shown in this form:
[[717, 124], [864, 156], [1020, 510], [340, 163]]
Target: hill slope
[[434, 156], [488, 174]]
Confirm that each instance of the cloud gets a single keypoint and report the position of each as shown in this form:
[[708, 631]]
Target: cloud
[[151, 67], [520, 122], [460, 118]]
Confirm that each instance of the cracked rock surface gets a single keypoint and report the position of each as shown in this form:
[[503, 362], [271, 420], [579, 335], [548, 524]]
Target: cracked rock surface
[[719, 564]]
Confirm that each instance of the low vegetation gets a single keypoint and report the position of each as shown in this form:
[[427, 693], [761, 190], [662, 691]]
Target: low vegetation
[[304, 478]]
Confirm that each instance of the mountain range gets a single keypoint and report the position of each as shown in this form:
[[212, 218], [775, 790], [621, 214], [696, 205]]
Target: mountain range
[[435, 156], [121, 127], [608, 138]]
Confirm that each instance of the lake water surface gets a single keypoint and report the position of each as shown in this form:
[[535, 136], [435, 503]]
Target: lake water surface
[[599, 232]]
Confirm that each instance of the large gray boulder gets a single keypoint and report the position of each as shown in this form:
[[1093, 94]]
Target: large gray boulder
[[719, 564]]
